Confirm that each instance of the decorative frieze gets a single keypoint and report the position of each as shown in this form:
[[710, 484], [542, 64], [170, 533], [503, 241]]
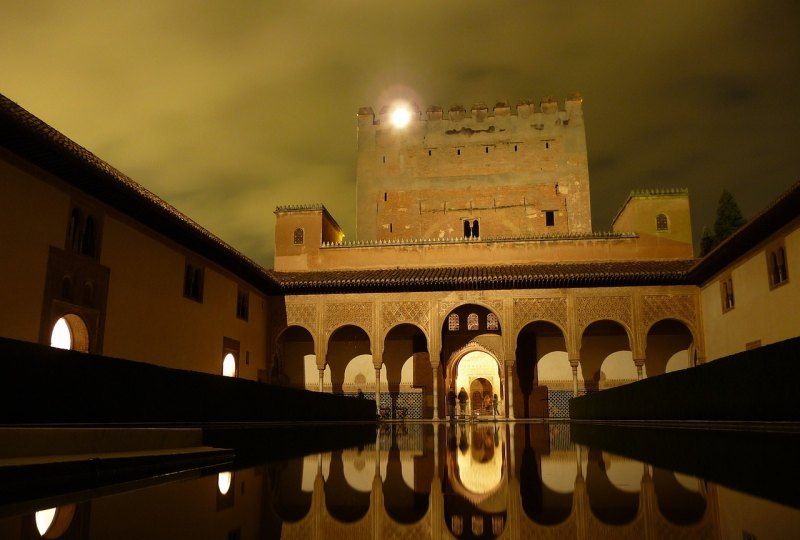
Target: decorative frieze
[[527, 310], [356, 313], [393, 313], [594, 308]]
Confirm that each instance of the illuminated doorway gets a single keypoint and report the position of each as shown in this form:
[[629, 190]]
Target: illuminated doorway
[[477, 372]]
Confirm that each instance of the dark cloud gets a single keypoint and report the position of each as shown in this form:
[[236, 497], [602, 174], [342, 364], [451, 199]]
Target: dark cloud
[[227, 110]]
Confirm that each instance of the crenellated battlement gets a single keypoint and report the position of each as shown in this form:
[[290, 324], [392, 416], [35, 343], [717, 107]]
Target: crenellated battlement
[[569, 110]]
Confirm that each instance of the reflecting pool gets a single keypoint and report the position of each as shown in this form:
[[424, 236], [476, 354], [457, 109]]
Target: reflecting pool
[[466, 480]]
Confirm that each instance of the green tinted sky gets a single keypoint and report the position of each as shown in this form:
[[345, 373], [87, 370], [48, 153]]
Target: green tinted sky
[[227, 109]]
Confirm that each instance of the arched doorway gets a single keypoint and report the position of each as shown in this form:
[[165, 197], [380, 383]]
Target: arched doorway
[[295, 362], [408, 372], [606, 356], [669, 347], [480, 392], [70, 332], [544, 374], [350, 344], [476, 372], [471, 328]]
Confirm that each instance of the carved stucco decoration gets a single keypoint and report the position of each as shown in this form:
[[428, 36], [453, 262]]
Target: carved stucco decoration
[[393, 313], [527, 310], [302, 315], [357, 313], [657, 307], [594, 308]]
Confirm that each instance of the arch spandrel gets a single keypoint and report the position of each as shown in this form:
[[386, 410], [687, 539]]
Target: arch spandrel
[[417, 313], [358, 314], [551, 309]]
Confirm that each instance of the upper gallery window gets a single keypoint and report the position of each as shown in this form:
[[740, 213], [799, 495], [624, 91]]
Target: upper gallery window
[[242, 304], [728, 300], [193, 282], [549, 218], [776, 265], [82, 233]]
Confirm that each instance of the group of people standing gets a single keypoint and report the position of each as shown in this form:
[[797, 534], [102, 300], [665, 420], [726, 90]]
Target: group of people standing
[[490, 404]]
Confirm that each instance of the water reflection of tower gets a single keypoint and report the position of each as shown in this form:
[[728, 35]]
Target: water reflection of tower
[[475, 487]]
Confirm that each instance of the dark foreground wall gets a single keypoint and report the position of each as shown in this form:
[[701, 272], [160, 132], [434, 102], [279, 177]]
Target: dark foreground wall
[[756, 385], [40, 384]]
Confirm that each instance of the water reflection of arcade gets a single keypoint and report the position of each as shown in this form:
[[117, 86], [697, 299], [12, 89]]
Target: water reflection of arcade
[[482, 483]]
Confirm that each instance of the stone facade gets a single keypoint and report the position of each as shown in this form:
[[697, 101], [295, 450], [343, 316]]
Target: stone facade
[[505, 170]]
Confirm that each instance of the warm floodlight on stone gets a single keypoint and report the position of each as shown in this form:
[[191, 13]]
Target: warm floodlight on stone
[[400, 116]]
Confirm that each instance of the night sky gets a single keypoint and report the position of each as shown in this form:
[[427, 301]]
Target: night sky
[[227, 109]]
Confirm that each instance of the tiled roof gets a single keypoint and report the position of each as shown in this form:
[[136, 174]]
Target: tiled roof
[[30, 138], [528, 276], [785, 209]]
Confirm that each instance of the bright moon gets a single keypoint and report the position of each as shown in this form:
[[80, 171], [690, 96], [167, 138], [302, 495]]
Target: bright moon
[[401, 116]]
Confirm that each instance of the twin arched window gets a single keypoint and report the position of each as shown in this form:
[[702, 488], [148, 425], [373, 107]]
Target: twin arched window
[[473, 229]]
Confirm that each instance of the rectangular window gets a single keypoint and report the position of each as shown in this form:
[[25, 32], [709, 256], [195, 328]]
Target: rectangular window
[[193, 282], [777, 268], [549, 218], [726, 290], [243, 305]]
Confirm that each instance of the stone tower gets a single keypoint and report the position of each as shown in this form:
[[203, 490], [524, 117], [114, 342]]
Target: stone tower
[[476, 173]]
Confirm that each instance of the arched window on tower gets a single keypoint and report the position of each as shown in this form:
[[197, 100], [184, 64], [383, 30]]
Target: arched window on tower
[[476, 231], [453, 324], [467, 229], [299, 236], [472, 321], [662, 222]]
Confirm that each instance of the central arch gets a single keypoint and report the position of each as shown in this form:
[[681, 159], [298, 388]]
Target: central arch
[[477, 371]]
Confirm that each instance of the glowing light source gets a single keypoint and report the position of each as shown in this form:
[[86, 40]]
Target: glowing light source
[[61, 338], [229, 366], [224, 482], [44, 518], [400, 116]]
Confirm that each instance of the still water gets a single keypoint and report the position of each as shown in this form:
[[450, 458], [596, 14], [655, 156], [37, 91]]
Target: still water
[[471, 480]]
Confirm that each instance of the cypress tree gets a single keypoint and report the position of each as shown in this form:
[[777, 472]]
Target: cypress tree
[[729, 217], [706, 241]]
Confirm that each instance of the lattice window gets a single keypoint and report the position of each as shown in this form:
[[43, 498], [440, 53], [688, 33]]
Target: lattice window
[[662, 222], [477, 525], [457, 525], [491, 322], [497, 525], [453, 322], [299, 236], [472, 321]]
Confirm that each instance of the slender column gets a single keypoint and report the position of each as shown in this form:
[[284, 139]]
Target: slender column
[[510, 390], [639, 365], [378, 390], [574, 367], [435, 392], [321, 378]]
